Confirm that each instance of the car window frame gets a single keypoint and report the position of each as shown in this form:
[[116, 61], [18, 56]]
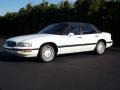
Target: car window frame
[[90, 27], [70, 26], [67, 25], [95, 28]]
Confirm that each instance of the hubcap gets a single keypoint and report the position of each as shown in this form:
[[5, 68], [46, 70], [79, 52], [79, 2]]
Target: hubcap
[[101, 48], [48, 53]]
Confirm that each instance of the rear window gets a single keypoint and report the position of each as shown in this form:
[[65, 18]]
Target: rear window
[[87, 29]]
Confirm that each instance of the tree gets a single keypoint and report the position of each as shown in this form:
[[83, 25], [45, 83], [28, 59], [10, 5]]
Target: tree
[[10, 15], [29, 7], [26, 9], [103, 13], [81, 8], [95, 5], [53, 6], [65, 5], [78, 3]]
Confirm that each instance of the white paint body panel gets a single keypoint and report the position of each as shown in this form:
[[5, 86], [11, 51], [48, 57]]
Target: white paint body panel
[[64, 43]]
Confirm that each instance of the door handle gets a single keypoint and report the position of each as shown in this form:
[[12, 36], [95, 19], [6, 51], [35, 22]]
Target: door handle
[[79, 37], [96, 35]]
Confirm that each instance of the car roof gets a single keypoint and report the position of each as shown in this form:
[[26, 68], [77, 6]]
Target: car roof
[[79, 23], [74, 23]]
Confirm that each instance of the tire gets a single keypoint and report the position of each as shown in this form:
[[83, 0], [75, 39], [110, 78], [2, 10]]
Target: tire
[[46, 53], [100, 48]]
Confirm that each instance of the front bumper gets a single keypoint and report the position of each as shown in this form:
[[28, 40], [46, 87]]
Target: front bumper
[[109, 44], [23, 52]]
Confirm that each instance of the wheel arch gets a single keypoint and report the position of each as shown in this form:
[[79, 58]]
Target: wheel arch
[[103, 40], [50, 43]]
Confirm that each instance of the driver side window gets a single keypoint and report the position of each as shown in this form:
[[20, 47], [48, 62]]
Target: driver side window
[[75, 30]]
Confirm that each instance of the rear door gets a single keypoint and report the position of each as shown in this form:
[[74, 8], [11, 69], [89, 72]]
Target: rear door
[[89, 36]]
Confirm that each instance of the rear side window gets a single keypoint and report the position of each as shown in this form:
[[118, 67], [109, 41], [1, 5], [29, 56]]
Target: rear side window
[[87, 29]]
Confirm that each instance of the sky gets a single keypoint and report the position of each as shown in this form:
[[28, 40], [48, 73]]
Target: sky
[[15, 5]]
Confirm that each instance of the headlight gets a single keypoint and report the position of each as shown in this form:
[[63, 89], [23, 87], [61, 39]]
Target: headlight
[[24, 44]]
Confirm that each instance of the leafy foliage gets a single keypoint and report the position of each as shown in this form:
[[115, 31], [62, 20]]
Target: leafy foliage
[[30, 19]]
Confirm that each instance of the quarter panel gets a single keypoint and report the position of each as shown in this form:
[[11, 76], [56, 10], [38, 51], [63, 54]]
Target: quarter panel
[[37, 42]]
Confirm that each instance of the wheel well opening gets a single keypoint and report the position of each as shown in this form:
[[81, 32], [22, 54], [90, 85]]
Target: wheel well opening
[[51, 43], [102, 41]]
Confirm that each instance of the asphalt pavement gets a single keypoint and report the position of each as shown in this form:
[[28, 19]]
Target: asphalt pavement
[[80, 71]]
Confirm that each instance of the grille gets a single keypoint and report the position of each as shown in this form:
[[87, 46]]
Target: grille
[[11, 43]]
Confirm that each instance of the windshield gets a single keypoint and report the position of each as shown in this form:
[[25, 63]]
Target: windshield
[[54, 29]]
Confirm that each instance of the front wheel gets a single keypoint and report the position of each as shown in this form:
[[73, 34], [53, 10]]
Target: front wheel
[[47, 53], [100, 48]]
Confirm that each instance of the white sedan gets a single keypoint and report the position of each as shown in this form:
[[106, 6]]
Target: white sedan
[[60, 38]]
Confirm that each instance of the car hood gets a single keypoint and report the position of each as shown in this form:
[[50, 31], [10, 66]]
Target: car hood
[[27, 37]]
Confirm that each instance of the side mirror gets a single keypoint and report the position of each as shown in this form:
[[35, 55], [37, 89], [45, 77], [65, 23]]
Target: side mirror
[[70, 34]]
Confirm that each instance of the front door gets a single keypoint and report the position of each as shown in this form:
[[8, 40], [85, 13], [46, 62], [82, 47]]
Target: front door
[[71, 41]]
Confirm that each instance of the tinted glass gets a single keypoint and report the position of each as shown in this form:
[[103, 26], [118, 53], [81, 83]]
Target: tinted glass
[[86, 29], [54, 29], [73, 29], [95, 28]]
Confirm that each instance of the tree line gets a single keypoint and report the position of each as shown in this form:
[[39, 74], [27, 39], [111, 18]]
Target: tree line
[[105, 14]]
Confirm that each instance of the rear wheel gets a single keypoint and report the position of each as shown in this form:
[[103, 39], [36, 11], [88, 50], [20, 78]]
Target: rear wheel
[[47, 53], [100, 48]]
